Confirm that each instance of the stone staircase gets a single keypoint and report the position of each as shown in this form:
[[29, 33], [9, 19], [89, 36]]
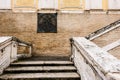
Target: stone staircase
[[37, 69]]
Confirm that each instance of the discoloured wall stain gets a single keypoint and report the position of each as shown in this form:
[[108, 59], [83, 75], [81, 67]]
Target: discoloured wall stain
[[72, 4], [24, 26]]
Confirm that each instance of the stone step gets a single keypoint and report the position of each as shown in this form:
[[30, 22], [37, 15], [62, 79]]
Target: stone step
[[42, 63], [38, 69], [41, 76], [47, 58]]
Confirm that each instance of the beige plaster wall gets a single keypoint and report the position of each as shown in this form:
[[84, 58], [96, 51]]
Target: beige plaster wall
[[24, 26]]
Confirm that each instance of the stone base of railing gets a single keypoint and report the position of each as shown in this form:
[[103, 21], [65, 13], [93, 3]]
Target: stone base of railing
[[8, 51], [92, 62]]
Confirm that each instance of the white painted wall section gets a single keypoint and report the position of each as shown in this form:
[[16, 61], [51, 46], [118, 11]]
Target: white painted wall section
[[114, 4], [5, 4], [96, 4], [50, 4], [87, 4]]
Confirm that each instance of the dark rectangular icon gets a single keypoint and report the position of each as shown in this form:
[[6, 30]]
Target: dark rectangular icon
[[47, 23]]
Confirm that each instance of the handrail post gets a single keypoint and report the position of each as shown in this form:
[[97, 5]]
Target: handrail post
[[30, 51], [13, 54], [71, 44]]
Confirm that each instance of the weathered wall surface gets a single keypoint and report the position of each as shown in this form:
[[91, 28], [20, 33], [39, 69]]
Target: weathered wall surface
[[24, 26]]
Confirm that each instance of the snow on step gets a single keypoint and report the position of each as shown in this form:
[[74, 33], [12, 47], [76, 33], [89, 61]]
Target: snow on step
[[39, 75], [40, 68], [41, 62]]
